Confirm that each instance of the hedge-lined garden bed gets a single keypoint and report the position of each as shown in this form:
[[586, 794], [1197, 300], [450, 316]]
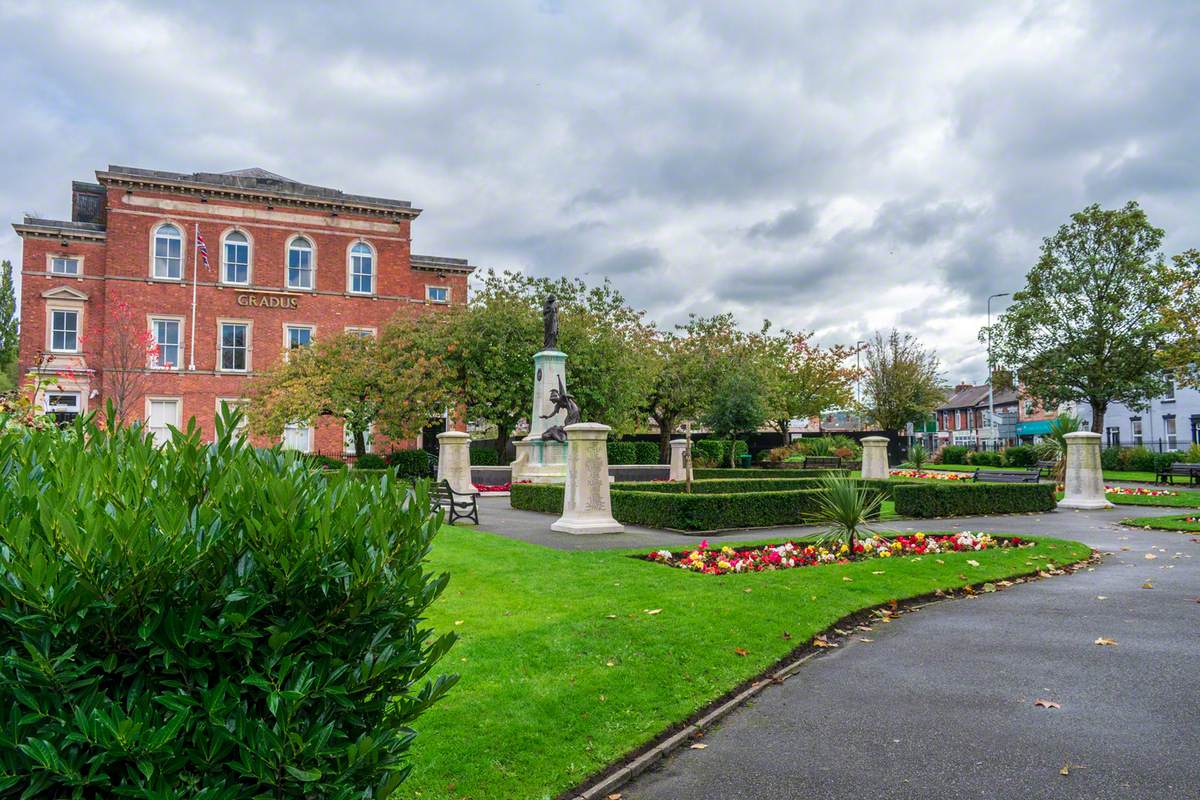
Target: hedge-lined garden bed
[[762, 474], [971, 499]]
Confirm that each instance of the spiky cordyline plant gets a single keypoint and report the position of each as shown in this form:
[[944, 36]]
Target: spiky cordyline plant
[[844, 506], [918, 456]]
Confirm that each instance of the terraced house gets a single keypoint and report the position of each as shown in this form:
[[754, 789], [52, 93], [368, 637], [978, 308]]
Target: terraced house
[[194, 281]]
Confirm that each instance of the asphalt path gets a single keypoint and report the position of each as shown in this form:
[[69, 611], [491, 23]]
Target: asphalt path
[[941, 703]]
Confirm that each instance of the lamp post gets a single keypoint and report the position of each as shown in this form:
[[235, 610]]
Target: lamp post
[[857, 381], [991, 399]]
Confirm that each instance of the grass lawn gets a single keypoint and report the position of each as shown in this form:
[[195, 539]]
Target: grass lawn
[[564, 671], [1178, 523], [1109, 474], [1184, 499]]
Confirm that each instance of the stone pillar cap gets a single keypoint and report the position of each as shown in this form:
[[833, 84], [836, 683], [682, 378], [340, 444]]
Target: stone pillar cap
[[587, 427], [679, 441], [453, 435], [875, 439], [1082, 435], [549, 353]]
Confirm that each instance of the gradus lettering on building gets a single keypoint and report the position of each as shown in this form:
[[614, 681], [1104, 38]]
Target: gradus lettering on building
[[266, 301]]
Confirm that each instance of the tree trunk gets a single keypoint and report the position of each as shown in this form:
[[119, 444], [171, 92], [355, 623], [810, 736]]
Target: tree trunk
[[1098, 409], [501, 443], [360, 442], [785, 426], [665, 429], [732, 451]]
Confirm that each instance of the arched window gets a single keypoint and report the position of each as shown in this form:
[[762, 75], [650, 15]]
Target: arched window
[[362, 269], [300, 264], [168, 252], [236, 259]]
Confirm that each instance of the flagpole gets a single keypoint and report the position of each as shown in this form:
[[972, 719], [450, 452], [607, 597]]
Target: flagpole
[[195, 280]]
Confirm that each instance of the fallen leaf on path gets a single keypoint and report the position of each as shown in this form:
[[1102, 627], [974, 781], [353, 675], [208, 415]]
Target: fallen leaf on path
[[1066, 770], [653, 611], [787, 635], [697, 746], [865, 639], [973, 562], [616, 796], [989, 587], [458, 622], [611, 664], [1147, 585], [741, 651], [1046, 703], [821, 641], [1106, 642], [877, 572], [1101, 597], [846, 578], [748, 591], [611, 616], [1150, 556]]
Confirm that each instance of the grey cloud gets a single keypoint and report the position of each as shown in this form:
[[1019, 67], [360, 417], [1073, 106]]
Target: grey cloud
[[632, 259], [787, 224]]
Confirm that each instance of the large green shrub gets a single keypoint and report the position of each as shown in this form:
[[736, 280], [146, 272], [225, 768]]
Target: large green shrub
[[622, 453], [1110, 458], [984, 458], [1137, 458], [767, 474], [1020, 456], [370, 461], [1164, 460], [970, 499], [207, 621], [646, 452], [952, 454], [484, 457], [709, 451], [412, 464], [324, 462]]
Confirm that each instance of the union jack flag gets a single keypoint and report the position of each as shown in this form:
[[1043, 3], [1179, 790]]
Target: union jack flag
[[201, 248]]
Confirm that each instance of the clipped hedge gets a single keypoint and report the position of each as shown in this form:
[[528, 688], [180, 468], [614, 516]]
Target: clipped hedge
[[415, 463], [484, 457], [206, 621], [647, 452], [971, 499], [984, 458], [622, 453], [719, 485], [761, 474], [1021, 455], [952, 454], [370, 461]]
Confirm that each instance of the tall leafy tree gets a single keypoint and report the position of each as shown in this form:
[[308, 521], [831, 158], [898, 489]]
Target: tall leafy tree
[[127, 352], [735, 409], [1181, 350], [1089, 324], [9, 328], [801, 379], [901, 382]]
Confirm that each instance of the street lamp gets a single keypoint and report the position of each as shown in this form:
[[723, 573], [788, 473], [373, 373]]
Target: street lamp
[[991, 399], [857, 381]]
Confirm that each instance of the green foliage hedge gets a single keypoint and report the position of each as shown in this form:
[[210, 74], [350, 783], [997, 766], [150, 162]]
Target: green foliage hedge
[[324, 462], [484, 457], [953, 454], [657, 508], [984, 458], [647, 452], [412, 464], [1020, 456], [206, 621], [971, 499], [718, 485], [370, 461], [622, 453], [764, 474]]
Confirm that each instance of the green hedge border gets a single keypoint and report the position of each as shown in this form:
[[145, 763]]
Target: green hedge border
[[752, 473], [924, 500]]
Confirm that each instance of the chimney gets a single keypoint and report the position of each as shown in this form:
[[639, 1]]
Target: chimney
[[962, 387], [87, 202]]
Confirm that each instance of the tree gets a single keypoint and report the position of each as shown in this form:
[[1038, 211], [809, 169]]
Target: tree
[[355, 379], [126, 357], [735, 408], [901, 381], [1181, 351], [801, 379], [1089, 326], [9, 329]]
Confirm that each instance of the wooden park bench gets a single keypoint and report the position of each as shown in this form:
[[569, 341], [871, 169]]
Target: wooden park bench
[[1168, 473], [457, 505], [1046, 468], [1007, 475], [822, 462]]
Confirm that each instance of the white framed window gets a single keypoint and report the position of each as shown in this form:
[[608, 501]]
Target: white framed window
[[1114, 436], [300, 263], [64, 330], [234, 344], [63, 406], [168, 252], [1136, 428], [168, 338], [1169, 394], [362, 269], [297, 336], [162, 412], [239, 403], [297, 436], [64, 265], [366, 333], [437, 294], [348, 440], [235, 258], [1170, 430]]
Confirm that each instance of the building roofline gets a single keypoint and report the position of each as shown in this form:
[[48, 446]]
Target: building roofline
[[59, 229], [440, 264], [283, 192]]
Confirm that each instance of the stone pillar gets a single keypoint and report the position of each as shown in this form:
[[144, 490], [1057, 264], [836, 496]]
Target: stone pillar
[[678, 449], [454, 460], [587, 504], [875, 459], [1085, 477]]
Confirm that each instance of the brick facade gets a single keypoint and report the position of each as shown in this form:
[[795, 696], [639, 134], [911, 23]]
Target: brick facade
[[111, 235]]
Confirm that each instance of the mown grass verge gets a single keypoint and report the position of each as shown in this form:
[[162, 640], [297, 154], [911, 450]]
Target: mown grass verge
[[1173, 523]]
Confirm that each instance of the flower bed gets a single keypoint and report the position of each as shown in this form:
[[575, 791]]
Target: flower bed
[[487, 487], [937, 476], [791, 555], [1139, 491]]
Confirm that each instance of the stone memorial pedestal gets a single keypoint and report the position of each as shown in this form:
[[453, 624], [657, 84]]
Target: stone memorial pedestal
[[1085, 477], [678, 450], [539, 461], [454, 460], [875, 457], [587, 504]]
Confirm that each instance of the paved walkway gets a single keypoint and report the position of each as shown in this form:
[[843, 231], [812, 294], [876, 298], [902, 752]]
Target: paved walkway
[[941, 703]]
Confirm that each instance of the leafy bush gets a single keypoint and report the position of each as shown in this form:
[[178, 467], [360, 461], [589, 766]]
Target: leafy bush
[[412, 464], [918, 456], [370, 461], [679, 511], [952, 454], [1137, 458], [646, 452], [207, 621], [1020, 456], [324, 462], [720, 485], [622, 453], [708, 452], [1164, 460], [984, 458], [970, 499], [484, 457], [1110, 458], [755, 472]]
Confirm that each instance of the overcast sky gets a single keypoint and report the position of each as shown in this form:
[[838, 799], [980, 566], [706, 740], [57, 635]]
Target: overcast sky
[[839, 169]]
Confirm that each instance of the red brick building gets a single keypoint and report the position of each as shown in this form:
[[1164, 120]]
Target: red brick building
[[287, 262]]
